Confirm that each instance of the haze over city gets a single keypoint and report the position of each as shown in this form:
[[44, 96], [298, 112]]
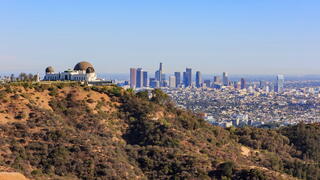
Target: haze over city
[[247, 37]]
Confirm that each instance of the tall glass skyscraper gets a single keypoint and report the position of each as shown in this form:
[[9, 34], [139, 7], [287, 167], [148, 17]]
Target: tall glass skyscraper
[[217, 80], [225, 79], [133, 78], [178, 78], [198, 79], [243, 83], [139, 78], [172, 81], [187, 77], [159, 75], [279, 85], [145, 79]]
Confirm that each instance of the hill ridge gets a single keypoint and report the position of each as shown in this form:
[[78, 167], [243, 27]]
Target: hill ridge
[[98, 132]]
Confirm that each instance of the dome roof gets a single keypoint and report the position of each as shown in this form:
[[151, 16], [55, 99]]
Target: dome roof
[[90, 70], [82, 66], [49, 69]]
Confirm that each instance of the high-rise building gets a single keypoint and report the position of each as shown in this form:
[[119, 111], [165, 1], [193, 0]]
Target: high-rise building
[[243, 83], [187, 77], [279, 84], [133, 78], [163, 77], [198, 79], [159, 74], [154, 83], [207, 83], [237, 85], [139, 82], [184, 79], [172, 81], [267, 89], [216, 80], [262, 84], [145, 79], [178, 78], [165, 83], [225, 79]]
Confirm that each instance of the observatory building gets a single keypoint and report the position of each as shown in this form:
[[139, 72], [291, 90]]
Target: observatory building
[[83, 71]]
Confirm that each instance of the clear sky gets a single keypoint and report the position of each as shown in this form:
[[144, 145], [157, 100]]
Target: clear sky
[[237, 36]]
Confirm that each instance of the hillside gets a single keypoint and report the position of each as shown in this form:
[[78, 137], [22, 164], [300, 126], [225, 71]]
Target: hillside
[[66, 131]]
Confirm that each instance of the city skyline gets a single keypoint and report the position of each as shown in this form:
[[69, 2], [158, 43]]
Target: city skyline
[[239, 37], [139, 79]]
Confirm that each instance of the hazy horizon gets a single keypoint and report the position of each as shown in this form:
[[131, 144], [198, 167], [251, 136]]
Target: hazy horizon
[[232, 77], [239, 37]]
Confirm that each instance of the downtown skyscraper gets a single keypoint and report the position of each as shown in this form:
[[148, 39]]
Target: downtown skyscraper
[[159, 75], [243, 83], [225, 79], [279, 85], [139, 82], [198, 79], [133, 78], [172, 82], [217, 80], [187, 77], [138, 78], [178, 78], [145, 79]]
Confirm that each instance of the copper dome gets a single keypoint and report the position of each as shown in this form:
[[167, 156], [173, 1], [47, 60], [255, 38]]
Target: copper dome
[[90, 70], [49, 69], [82, 66]]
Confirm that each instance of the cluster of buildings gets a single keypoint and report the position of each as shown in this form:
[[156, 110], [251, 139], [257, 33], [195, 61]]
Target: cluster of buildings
[[225, 102], [252, 106], [139, 79]]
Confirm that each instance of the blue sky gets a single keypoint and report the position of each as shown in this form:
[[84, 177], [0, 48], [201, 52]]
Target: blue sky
[[238, 36]]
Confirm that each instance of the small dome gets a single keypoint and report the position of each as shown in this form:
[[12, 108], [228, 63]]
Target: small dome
[[90, 70], [49, 69], [82, 66]]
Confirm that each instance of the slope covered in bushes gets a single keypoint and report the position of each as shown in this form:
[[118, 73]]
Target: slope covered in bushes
[[66, 131]]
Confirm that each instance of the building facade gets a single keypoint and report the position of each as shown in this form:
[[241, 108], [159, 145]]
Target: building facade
[[198, 79], [243, 83], [187, 77], [172, 81], [225, 79], [279, 85], [178, 78], [83, 71], [133, 78], [139, 81], [145, 79]]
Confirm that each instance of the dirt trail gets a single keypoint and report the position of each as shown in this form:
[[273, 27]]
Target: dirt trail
[[246, 151], [12, 176]]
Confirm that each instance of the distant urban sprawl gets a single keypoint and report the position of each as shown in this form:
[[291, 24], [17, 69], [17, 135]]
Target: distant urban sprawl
[[235, 103]]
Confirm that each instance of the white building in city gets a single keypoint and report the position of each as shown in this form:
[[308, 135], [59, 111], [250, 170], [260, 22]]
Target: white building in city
[[83, 71], [172, 82]]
